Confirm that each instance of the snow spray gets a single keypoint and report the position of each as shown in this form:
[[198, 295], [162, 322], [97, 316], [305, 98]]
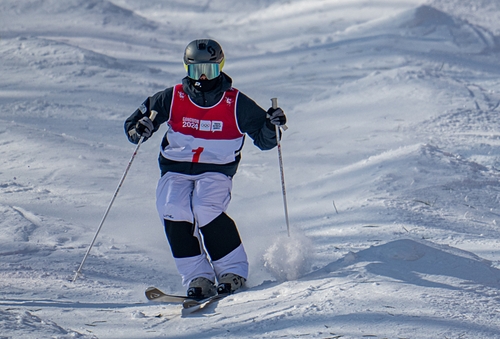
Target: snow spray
[[289, 257]]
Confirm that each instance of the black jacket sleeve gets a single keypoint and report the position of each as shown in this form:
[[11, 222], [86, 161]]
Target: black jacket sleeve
[[252, 121], [159, 102]]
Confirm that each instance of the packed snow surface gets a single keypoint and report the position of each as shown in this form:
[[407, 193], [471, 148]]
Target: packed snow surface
[[391, 163]]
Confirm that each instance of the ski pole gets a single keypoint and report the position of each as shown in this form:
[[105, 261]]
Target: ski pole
[[274, 102], [152, 117]]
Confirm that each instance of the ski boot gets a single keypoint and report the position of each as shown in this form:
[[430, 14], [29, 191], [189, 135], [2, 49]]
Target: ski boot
[[229, 283], [201, 288]]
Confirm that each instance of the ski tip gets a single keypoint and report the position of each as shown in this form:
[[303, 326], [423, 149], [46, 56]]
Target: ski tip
[[153, 293]]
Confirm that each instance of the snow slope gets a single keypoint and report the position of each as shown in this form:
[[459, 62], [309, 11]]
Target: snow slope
[[391, 161]]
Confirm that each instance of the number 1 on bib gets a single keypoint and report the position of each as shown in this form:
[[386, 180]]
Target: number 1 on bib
[[197, 152]]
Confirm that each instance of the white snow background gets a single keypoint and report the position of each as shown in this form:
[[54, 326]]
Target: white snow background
[[391, 162]]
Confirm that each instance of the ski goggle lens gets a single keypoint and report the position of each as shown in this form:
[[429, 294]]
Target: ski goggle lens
[[195, 71]]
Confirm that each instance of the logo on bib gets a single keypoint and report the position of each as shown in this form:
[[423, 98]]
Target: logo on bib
[[211, 126], [216, 126], [190, 123], [205, 125], [202, 125]]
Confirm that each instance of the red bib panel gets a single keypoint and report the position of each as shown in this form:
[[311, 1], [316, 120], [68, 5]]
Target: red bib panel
[[203, 134]]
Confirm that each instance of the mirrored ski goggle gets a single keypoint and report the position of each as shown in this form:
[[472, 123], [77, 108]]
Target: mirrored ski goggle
[[195, 71]]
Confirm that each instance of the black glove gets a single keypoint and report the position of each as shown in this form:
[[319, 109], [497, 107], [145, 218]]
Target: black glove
[[276, 116], [144, 127]]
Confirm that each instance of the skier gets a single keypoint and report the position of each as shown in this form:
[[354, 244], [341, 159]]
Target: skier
[[207, 122]]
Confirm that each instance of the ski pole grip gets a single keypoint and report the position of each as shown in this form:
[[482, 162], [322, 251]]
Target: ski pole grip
[[153, 115], [274, 104]]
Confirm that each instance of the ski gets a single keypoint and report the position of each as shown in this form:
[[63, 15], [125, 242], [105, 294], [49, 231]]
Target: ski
[[190, 305], [154, 294]]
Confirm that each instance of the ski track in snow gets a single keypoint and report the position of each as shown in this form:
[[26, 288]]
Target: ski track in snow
[[391, 161]]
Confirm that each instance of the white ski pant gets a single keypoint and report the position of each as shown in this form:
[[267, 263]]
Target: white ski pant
[[199, 199]]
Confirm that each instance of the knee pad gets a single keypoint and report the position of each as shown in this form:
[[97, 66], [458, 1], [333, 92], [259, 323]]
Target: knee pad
[[180, 235], [220, 236]]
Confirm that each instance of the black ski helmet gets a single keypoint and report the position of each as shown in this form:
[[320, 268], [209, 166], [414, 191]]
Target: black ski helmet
[[203, 51]]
